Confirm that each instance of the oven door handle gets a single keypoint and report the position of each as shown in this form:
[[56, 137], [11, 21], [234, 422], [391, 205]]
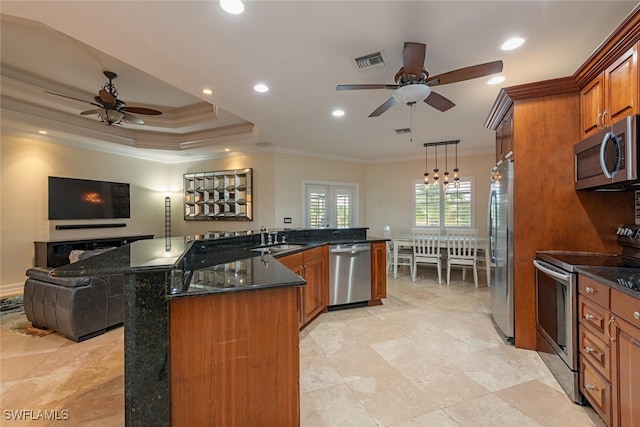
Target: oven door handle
[[554, 274]]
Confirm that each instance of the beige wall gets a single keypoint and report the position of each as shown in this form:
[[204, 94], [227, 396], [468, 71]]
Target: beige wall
[[384, 194], [390, 199]]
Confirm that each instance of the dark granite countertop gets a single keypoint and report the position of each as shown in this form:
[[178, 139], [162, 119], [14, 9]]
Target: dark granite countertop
[[200, 266], [624, 279]]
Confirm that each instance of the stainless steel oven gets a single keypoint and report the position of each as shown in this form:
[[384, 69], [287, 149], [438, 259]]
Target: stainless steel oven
[[556, 324], [556, 312]]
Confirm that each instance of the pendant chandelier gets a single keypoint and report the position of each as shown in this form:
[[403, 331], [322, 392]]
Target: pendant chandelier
[[436, 171]]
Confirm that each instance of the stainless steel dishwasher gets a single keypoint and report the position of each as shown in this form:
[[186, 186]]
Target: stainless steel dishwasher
[[349, 274]]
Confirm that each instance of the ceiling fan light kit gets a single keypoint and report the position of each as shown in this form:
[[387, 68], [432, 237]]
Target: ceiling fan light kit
[[411, 94], [110, 117]]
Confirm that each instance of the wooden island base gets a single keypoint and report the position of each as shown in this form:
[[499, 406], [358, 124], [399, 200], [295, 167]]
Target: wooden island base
[[235, 359]]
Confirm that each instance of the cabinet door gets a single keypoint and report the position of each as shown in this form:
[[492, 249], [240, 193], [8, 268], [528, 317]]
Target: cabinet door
[[621, 87], [592, 106], [378, 272], [314, 294], [295, 263], [507, 135], [627, 374]]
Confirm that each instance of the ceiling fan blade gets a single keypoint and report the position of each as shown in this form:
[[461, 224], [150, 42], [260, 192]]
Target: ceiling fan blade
[[142, 110], [366, 86], [75, 99], [89, 112], [107, 98], [413, 58], [384, 107], [466, 73], [133, 119], [439, 102]]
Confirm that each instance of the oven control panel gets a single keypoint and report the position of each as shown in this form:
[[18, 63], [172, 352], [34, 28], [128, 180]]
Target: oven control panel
[[629, 236]]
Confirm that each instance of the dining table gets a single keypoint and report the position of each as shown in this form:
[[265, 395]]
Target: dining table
[[407, 242]]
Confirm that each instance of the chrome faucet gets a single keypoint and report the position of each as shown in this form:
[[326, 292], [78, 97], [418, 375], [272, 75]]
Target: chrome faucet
[[263, 230]]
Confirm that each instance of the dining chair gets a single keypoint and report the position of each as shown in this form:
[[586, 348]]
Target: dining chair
[[426, 250], [462, 248], [405, 256]]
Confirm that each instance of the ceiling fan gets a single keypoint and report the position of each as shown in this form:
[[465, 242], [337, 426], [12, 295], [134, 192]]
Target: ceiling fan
[[112, 111], [413, 83]]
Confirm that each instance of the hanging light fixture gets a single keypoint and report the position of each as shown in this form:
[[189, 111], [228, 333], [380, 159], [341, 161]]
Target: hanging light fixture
[[436, 183], [436, 171], [426, 165], [456, 177]]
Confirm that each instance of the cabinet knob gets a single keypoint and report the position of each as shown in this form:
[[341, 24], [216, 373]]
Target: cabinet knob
[[589, 316], [588, 349], [590, 387], [636, 315], [589, 290]]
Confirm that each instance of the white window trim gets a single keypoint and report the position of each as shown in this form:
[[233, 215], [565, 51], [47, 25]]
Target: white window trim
[[355, 187]]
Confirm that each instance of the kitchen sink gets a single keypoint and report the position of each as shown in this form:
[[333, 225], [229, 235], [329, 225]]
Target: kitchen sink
[[278, 248]]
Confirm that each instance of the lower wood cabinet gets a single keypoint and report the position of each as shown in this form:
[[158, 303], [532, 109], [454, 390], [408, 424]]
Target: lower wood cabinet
[[378, 273], [234, 359], [609, 334], [313, 266]]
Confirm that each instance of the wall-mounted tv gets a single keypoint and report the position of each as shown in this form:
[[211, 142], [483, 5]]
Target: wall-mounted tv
[[71, 198]]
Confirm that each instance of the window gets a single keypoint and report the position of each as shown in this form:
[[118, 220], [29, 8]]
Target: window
[[450, 208], [330, 206]]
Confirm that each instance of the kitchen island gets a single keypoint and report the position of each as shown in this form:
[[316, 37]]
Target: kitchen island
[[211, 327]]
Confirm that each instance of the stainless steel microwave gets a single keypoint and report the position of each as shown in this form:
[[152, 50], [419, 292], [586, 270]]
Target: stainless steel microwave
[[608, 160]]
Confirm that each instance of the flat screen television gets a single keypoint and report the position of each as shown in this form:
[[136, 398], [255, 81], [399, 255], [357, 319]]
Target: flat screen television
[[71, 198]]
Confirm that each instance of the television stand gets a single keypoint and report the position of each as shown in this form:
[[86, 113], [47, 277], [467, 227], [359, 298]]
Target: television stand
[[54, 254]]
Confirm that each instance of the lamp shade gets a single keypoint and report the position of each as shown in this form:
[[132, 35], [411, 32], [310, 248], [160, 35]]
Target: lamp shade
[[410, 94]]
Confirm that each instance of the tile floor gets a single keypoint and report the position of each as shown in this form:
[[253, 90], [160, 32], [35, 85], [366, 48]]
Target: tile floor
[[428, 357]]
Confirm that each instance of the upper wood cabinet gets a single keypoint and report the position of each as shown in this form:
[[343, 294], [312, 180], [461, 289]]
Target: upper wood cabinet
[[504, 137], [612, 95]]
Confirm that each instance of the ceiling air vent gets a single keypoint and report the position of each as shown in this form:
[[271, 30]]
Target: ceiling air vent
[[371, 60], [401, 131]]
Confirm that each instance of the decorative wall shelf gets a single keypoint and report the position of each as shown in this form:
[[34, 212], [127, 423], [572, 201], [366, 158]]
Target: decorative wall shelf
[[218, 195]]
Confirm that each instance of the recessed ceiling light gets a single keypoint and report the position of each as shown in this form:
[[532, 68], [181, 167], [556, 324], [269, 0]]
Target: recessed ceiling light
[[261, 88], [42, 132], [234, 7], [207, 91], [338, 113], [513, 43], [495, 80], [227, 149]]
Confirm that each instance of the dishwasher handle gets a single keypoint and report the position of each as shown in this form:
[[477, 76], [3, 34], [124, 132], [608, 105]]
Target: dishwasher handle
[[350, 249]]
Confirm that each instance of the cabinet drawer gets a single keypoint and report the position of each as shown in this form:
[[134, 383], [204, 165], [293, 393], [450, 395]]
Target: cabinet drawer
[[596, 351], [597, 390], [594, 316], [593, 290], [626, 307]]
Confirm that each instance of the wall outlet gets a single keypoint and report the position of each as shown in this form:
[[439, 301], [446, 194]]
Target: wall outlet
[[287, 220]]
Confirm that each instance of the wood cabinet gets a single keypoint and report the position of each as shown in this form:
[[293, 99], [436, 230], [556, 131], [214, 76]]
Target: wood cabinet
[[611, 95], [235, 359], [626, 348], [504, 137], [313, 266], [378, 273], [609, 340]]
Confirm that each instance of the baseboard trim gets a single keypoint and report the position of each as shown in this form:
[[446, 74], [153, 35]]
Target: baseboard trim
[[11, 289]]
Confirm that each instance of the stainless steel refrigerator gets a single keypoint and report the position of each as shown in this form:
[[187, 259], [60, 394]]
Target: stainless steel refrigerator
[[501, 248]]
